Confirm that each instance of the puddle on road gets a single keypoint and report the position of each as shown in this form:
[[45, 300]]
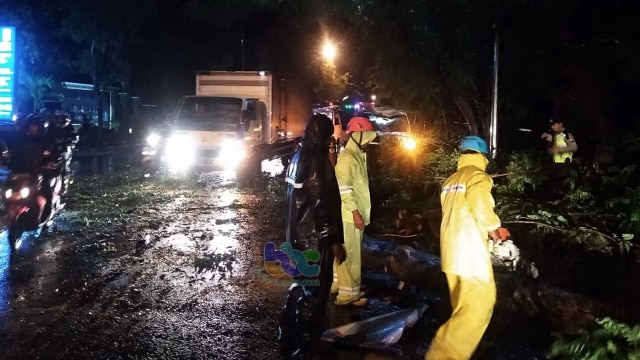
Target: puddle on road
[[227, 199], [210, 242]]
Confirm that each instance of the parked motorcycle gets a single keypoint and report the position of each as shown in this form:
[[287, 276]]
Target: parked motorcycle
[[32, 200]]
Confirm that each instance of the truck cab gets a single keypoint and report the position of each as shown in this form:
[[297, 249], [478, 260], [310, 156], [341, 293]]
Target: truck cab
[[233, 122]]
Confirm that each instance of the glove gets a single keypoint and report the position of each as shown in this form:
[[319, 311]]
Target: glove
[[504, 233], [499, 235]]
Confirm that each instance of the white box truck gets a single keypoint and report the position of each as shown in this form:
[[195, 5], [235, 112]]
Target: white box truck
[[235, 120]]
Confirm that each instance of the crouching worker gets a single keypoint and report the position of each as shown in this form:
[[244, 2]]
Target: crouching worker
[[468, 219], [312, 222]]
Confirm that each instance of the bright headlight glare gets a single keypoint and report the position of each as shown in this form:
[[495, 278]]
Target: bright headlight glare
[[153, 139], [409, 143], [180, 151], [8, 193], [24, 192], [232, 152]]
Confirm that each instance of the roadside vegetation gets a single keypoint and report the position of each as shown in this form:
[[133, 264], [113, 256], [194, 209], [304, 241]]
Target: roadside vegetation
[[585, 241]]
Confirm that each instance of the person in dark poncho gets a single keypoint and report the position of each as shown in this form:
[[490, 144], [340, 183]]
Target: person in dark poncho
[[312, 222]]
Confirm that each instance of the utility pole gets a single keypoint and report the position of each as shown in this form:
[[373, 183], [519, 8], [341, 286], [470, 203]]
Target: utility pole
[[493, 129], [242, 44]]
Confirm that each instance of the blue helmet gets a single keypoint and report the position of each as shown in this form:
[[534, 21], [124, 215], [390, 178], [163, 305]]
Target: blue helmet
[[474, 143]]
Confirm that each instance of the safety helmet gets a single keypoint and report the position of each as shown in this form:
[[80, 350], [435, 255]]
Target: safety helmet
[[359, 124], [474, 143]]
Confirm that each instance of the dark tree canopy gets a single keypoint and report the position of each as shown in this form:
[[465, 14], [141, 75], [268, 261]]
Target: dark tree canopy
[[563, 58]]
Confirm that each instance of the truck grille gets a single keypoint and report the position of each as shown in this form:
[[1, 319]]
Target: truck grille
[[208, 153]]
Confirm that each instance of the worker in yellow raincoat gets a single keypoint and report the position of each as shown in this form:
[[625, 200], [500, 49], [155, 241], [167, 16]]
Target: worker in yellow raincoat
[[468, 219], [353, 181]]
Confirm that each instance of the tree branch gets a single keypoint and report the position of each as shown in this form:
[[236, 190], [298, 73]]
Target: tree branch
[[532, 222], [555, 228]]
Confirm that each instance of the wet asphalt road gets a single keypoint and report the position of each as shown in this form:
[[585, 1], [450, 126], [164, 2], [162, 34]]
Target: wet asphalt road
[[169, 268], [177, 278]]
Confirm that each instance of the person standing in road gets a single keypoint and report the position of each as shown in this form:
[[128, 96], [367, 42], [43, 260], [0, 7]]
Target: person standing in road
[[562, 145], [351, 171], [312, 221], [468, 219]]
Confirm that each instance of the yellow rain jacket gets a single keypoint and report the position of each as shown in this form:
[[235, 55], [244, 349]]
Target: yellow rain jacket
[[353, 179], [567, 145], [467, 218]]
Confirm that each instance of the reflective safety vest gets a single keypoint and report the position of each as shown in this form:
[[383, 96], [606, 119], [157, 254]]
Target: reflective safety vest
[[560, 140], [353, 180]]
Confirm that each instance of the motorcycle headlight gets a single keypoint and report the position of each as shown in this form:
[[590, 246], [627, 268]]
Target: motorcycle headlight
[[153, 139], [22, 194], [232, 152]]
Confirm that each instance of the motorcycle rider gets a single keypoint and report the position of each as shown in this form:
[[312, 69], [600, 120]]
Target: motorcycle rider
[[63, 137], [32, 151], [312, 221]]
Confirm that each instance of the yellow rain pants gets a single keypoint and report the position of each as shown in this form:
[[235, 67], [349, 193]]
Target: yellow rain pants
[[472, 301], [347, 276]]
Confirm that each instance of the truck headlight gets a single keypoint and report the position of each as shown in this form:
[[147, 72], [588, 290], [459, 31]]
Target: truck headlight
[[153, 139], [232, 152], [180, 152]]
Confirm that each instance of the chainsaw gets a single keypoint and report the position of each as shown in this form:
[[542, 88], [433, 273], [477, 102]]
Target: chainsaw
[[504, 253]]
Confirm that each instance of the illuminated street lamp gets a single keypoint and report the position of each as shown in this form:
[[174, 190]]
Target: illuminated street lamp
[[373, 98], [329, 51]]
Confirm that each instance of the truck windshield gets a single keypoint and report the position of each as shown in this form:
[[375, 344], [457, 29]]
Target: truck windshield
[[209, 113]]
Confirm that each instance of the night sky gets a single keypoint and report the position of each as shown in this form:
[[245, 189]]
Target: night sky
[[173, 48]]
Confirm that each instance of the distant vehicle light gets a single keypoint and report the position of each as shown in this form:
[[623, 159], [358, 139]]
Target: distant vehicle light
[[261, 73], [409, 143]]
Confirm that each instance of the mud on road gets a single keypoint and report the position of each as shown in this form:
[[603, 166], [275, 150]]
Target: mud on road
[[142, 268]]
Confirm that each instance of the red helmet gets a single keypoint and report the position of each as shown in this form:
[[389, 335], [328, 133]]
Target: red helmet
[[359, 124]]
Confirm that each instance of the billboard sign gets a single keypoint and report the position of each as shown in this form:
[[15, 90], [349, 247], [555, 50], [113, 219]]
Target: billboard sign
[[7, 76]]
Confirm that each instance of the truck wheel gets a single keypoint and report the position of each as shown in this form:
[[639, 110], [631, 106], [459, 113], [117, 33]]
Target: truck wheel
[[251, 168]]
